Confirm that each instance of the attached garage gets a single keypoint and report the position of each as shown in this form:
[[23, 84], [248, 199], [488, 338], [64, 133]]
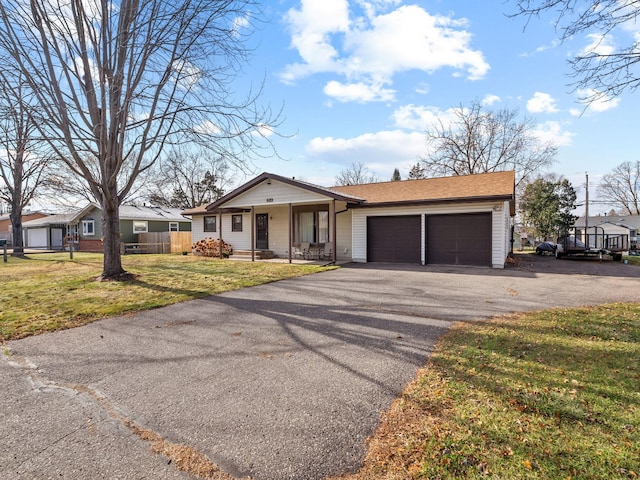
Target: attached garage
[[394, 239], [460, 239]]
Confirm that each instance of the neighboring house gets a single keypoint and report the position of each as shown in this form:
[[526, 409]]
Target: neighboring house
[[6, 232], [462, 220], [84, 227], [613, 225]]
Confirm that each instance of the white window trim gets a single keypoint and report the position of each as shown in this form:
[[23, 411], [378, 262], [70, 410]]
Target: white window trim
[[140, 222], [85, 228], [175, 225]]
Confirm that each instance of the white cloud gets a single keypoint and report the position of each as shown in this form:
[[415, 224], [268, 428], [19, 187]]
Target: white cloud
[[358, 92], [391, 147], [208, 128], [311, 28], [264, 131], [489, 100], [373, 47], [409, 38], [601, 102], [554, 133], [601, 44], [554, 43], [541, 103], [239, 24], [417, 117], [422, 88]]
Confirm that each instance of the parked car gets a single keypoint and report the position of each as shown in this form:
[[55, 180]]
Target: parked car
[[546, 247]]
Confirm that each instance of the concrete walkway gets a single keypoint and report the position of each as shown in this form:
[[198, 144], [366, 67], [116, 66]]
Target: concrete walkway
[[280, 381]]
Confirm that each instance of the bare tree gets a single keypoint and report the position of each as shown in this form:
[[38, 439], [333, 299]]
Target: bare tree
[[22, 164], [621, 187], [188, 178], [602, 71], [356, 174], [479, 141], [118, 82]]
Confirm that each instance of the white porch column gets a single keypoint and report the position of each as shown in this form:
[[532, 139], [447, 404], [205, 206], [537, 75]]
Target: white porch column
[[253, 236], [290, 231], [334, 235], [220, 233]]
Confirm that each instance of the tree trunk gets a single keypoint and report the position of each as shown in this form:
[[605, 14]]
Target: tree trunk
[[112, 269], [16, 229]]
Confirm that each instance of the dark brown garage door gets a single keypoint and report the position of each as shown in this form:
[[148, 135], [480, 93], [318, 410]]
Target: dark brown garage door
[[463, 239], [393, 239]]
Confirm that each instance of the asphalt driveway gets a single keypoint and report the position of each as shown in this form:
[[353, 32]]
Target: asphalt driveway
[[280, 381]]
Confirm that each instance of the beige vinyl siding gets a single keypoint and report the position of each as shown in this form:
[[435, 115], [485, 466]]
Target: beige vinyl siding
[[500, 225], [500, 234], [344, 248], [197, 229], [274, 194], [237, 240]]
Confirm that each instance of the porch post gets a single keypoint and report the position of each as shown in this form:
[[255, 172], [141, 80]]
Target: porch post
[[335, 228], [220, 234], [253, 236], [69, 243], [290, 231]]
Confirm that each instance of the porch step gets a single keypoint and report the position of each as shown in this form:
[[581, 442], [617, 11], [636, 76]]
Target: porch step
[[260, 254]]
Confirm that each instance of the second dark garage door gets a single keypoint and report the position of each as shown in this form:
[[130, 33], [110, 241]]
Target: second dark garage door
[[462, 239], [394, 239]]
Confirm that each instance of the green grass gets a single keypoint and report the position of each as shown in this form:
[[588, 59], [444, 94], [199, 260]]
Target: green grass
[[632, 259], [48, 292], [554, 394]]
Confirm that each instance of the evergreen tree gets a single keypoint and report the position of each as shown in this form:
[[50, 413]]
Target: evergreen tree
[[417, 172], [546, 206]]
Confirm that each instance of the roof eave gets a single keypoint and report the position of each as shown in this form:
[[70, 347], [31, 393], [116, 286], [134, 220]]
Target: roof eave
[[408, 203], [271, 176]]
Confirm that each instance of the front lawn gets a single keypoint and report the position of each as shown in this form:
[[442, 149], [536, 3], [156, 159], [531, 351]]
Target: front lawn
[[553, 394], [47, 292]]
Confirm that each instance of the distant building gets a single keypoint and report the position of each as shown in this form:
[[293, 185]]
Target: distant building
[[6, 232], [613, 225], [83, 227]]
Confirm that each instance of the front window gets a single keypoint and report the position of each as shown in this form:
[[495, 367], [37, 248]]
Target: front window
[[140, 226], [174, 226], [313, 226], [210, 224], [323, 227], [88, 228], [307, 227], [236, 223]]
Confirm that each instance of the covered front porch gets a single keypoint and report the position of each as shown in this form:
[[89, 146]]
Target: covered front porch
[[291, 219], [291, 232]]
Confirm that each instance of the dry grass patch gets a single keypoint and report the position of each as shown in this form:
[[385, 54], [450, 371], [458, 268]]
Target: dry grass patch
[[48, 292], [554, 394]]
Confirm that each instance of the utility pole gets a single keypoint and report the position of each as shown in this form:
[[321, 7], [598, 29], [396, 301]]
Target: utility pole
[[586, 211]]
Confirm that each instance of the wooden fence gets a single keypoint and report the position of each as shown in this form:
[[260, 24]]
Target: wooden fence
[[160, 242]]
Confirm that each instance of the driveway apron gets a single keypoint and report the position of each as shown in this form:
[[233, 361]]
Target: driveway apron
[[280, 381]]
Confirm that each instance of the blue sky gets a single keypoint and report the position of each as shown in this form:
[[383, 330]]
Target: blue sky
[[361, 80]]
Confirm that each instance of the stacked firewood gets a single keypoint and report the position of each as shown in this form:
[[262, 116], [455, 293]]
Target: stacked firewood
[[210, 247]]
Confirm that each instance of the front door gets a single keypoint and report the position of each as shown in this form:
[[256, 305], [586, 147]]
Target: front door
[[262, 231]]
